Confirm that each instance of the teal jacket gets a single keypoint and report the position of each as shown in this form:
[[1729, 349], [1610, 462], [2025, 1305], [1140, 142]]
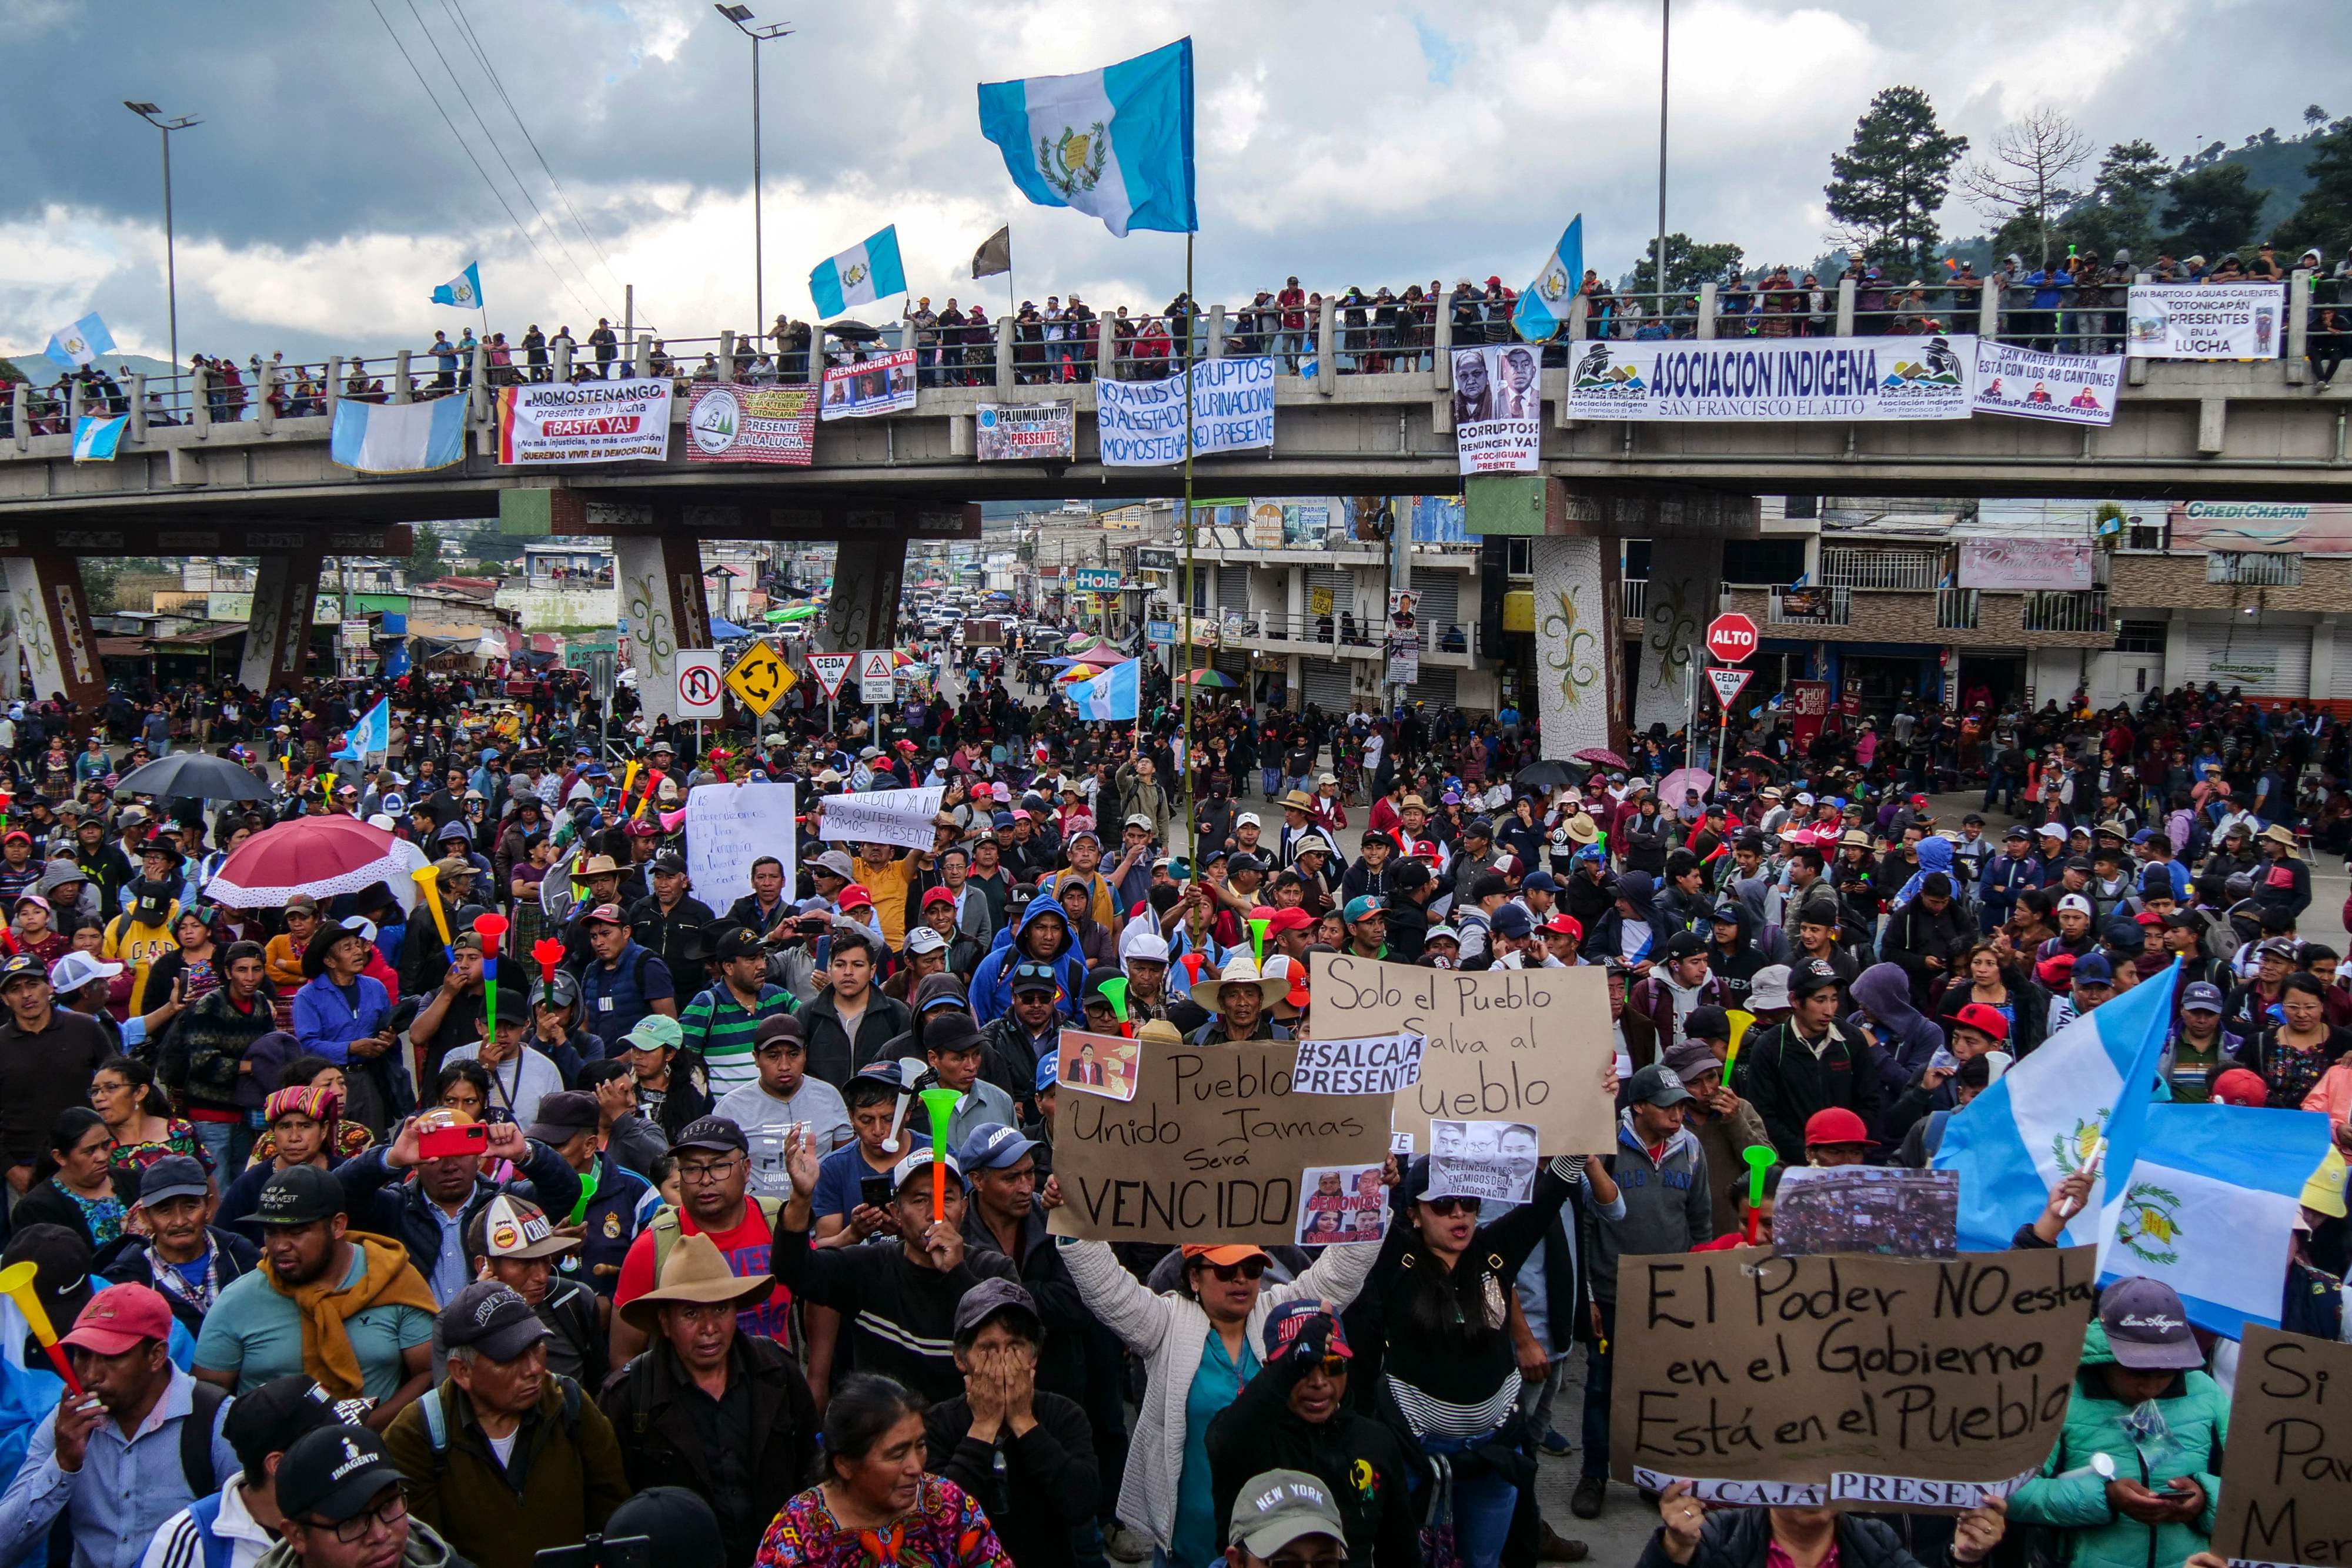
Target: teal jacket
[[2197, 1413]]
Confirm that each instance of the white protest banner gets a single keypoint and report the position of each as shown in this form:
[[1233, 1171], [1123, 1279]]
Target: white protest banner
[[1015, 431], [729, 826], [882, 384], [1505, 1045], [2205, 321], [544, 422], [2068, 389], [1380, 1066], [1140, 424], [1774, 378], [901, 817], [752, 425], [1497, 408]]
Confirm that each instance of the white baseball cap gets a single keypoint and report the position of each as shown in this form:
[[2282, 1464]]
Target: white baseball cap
[[2075, 902], [77, 969], [923, 939], [1249, 817]]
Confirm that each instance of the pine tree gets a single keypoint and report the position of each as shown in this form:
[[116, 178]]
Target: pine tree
[[1888, 186], [2323, 218], [2211, 210], [2120, 212], [1689, 264]]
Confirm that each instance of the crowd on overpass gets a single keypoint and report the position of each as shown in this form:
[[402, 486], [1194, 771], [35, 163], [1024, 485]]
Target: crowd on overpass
[[671, 1151]]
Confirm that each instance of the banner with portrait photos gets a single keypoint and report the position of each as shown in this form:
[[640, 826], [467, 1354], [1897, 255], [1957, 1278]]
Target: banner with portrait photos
[[1498, 408]]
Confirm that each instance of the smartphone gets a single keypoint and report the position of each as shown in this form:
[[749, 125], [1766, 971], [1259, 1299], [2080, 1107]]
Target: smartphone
[[453, 1142], [874, 1191]]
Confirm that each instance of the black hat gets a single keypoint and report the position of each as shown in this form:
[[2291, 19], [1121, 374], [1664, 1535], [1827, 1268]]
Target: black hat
[[275, 1415], [60, 1262], [1810, 975], [322, 942], [298, 1195], [564, 1114], [1685, 945], [715, 1133], [737, 941], [333, 1473], [680, 1526], [951, 1033], [993, 1296], [23, 965], [492, 1318], [173, 1175]]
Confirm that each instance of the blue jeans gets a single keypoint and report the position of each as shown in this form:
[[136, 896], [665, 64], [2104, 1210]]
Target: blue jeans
[[1483, 1503], [1272, 779], [216, 1137]]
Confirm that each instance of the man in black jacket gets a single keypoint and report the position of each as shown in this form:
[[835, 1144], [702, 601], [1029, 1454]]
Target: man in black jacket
[[1294, 1416], [1022, 1452], [667, 921], [172, 1197], [1808, 1063], [428, 1211]]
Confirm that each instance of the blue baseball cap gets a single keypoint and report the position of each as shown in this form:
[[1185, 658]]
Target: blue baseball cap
[[1513, 920], [1540, 881], [994, 1147], [1001, 819], [2200, 997], [1049, 1070], [2095, 969]]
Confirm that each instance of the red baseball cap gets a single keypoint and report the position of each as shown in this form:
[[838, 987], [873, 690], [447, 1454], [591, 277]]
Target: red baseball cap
[[855, 896], [938, 896], [1835, 1125], [118, 1318], [1293, 918], [2240, 1086], [1985, 1020], [1565, 924]]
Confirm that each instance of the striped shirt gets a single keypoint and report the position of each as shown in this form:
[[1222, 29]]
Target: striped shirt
[[719, 1026]]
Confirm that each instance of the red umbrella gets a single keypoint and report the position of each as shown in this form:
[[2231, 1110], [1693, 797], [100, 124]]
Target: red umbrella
[[321, 856], [1600, 756]]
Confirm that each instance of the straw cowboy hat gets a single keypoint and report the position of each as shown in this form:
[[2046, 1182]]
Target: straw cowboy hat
[[695, 1272], [2280, 833], [1582, 829], [1239, 971]]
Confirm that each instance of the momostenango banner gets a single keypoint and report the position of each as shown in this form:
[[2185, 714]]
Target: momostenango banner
[[584, 422], [1915, 377]]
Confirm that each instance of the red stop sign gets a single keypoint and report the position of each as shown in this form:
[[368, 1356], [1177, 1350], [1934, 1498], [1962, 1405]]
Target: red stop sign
[[1731, 637]]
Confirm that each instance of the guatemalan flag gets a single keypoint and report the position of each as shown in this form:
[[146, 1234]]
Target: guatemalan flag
[[1116, 693], [398, 437], [371, 735], [1542, 309], [2091, 1081], [98, 438], [75, 346], [1116, 144], [2209, 1208], [866, 271], [463, 291]]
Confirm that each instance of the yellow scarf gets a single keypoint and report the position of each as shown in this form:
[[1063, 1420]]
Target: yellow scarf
[[389, 1280]]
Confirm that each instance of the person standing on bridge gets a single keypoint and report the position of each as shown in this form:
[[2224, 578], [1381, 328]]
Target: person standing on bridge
[[606, 342]]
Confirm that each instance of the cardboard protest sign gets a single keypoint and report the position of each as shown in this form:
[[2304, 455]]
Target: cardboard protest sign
[[1507, 1045], [1379, 1066], [1852, 1382], [1213, 1147], [2283, 1499], [901, 817]]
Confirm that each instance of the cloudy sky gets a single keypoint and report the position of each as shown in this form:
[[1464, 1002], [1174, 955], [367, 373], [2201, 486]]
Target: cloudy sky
[[1362, 143]]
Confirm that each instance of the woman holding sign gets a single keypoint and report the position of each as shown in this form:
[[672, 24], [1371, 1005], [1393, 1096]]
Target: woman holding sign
[[1445, 1285]]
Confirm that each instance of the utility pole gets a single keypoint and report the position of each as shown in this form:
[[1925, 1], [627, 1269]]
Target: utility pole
[[155, 116], [741, 16], [1665, 27]]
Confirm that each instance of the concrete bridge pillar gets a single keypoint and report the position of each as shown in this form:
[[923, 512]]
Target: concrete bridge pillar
[[285, 607], [660, 577], [53, 626], [1685, 583], [863, 612]]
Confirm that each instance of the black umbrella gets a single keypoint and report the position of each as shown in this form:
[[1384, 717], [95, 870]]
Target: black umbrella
[[1544, 777], [850, 331], [193, 776]]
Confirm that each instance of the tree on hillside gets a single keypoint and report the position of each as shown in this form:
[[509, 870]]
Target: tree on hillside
[[2120, 212], [2210, 212], [1688, 265], [2323, 218], [1888, 186], [2027, 182]]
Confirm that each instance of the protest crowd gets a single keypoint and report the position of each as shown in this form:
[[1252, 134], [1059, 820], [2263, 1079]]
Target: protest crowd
[[450, 1151]]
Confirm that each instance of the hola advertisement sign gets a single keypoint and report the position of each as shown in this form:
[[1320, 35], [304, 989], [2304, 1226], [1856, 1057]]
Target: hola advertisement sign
[[1774, 378], [733, 423], [883, 384], [2067, 389], [545, 423], [2205, 321], [1140, 424]]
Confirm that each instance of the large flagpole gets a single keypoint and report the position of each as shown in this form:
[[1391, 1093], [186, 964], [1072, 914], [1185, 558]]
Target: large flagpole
[[1191, 685]]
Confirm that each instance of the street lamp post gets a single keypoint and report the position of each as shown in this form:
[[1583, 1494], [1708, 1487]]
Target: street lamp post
[[155, 116], [741, 16]]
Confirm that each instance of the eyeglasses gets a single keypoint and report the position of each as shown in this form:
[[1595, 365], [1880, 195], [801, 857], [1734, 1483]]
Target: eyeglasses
[[716, 1170], [1447, 1207], [1247, 1269], [1332, 1367], [388, 1512]]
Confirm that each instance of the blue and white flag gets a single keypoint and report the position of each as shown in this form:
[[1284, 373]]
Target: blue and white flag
[[78, 344], [1542, 309], [371, 735], [398, 437], [2089, 1083], [97, 437], [463, 291], [2211, 1205], [1115, 693], [1115, 144], [866, 271]]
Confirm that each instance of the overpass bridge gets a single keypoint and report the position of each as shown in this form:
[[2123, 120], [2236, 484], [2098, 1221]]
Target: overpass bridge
[[266, 485]]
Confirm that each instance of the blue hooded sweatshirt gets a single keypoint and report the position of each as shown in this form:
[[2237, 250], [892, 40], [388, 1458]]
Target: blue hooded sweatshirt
[[1908, 1037], [991, 978]]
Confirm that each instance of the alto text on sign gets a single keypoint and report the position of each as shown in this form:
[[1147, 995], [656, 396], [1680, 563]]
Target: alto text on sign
[[1731, 637]]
